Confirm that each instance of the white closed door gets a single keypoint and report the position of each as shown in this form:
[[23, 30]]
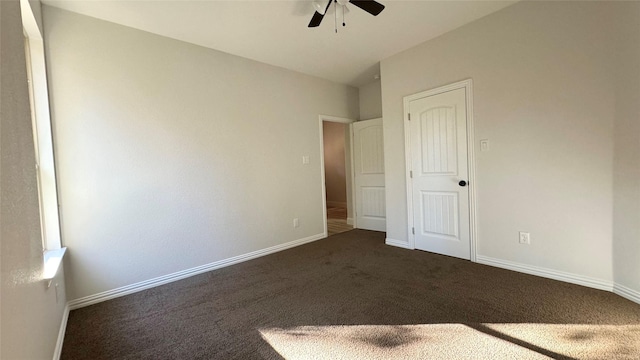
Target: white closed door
[[440, 191], [368, 166]]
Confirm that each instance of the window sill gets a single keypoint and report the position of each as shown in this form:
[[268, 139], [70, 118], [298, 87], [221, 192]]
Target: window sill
[[52, 262]]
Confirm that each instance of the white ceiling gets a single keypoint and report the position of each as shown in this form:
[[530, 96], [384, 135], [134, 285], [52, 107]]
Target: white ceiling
[[276, 33]]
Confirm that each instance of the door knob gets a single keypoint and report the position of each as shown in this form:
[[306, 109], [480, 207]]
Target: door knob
[[462, 183]]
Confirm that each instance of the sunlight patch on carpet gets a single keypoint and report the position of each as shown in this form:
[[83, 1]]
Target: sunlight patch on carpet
[[459, 341]]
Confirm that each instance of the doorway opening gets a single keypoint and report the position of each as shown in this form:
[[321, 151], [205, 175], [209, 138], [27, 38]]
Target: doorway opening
[[337, 177]]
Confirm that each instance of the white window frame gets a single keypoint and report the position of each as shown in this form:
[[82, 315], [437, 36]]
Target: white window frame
[[43, 143]]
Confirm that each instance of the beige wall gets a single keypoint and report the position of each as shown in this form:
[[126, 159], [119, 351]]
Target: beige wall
[[31, 317], [544, 98], [545, 102], [626, 184], [36, 9], [171, 156], [370, 96], [334, 162]]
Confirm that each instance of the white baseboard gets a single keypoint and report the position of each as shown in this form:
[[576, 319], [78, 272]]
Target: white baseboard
[[547, 273], [63, 328], [398, 243], [337, 204], [627, 293], [618, 289], [349, 221], [147, 284]]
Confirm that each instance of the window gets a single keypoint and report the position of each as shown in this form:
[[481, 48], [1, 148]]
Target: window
[[43, 142]]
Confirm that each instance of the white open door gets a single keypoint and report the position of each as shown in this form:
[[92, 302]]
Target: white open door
[[440, 174], [368, 168]]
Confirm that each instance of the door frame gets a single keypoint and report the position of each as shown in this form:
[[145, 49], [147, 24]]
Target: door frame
[[348, 122], [471, 163]]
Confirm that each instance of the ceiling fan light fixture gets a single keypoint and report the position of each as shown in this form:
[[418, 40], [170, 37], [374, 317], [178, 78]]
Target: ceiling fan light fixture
[[320, 8], [343, 2]]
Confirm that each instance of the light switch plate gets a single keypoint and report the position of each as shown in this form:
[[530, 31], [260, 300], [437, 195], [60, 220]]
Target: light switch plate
[[484, 145]]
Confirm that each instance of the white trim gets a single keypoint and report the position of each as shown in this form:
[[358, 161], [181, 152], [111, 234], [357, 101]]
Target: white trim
[[161, 280], [626, 292], [408, 163], [52, 262], [398, 243], [323, 186], [471, 163], [336, 119], [63, 329], [353, 181], [330, 118], [547, 273], [473, 231], [29, 23]]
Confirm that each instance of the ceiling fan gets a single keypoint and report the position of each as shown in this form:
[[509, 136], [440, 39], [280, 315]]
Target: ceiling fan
[[372, 7]]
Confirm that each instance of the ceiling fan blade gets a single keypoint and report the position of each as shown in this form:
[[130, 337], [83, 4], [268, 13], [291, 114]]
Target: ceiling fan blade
[[317, 17], [372, 7]]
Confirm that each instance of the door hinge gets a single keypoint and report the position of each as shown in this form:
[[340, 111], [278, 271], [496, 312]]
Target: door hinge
[[409, 116], [413, 230], [411, 174]]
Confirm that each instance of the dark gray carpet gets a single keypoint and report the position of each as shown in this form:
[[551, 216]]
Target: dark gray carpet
[[352, 296]]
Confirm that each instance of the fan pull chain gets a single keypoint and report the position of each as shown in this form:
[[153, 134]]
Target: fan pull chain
[[335, 15], [344, 7]]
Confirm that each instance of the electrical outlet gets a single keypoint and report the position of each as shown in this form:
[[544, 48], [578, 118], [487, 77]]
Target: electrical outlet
[[296, 223], [525, 238], [305, 160]]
